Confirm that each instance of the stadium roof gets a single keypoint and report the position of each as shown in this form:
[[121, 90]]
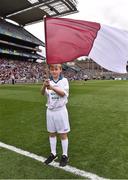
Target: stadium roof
[[25, 12]]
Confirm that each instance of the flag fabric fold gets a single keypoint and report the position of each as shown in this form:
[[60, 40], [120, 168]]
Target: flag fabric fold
[[67, 39]]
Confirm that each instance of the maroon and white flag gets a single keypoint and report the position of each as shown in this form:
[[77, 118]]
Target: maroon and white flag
[[68, 39]]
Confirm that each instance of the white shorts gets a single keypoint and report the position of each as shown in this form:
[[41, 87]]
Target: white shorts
[[58, 121]]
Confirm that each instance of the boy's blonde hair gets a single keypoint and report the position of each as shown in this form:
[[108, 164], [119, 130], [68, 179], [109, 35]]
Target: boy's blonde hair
[[55, 65]]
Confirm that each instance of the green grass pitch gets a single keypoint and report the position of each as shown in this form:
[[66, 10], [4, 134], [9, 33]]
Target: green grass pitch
[[98, 141]]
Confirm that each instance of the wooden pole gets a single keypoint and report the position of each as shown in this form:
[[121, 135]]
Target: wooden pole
[[47, 69]]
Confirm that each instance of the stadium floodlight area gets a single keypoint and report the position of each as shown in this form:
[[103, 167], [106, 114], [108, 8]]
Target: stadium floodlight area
[[29, 11]]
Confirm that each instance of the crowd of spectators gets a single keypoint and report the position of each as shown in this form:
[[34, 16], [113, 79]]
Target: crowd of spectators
[[15, 71], [20, 71]]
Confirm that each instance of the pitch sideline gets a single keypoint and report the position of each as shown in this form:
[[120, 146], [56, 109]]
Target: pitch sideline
[[67, 168]]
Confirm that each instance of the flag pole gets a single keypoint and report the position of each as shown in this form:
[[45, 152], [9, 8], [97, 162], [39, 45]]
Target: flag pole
[[47, 69]]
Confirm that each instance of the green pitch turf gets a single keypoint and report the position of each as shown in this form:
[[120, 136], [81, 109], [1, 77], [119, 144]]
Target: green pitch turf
[[98, 141]]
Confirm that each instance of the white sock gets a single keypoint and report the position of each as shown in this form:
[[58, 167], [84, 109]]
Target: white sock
[[64, 143], [53, 142]]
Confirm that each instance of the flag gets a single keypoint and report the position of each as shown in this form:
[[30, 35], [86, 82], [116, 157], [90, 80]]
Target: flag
[[67, 39]]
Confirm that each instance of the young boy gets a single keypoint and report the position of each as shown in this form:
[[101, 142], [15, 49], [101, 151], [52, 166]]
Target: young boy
[[57, 90]]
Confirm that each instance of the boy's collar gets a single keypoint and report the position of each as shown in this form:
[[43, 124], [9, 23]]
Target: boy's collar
[[56, 81]]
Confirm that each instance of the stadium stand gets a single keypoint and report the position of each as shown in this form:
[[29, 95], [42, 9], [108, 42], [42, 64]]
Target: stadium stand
[[16, 42], [95, 71], [33, 72]]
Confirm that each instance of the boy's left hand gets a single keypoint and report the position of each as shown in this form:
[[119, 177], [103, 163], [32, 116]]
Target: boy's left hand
[[47, 81]]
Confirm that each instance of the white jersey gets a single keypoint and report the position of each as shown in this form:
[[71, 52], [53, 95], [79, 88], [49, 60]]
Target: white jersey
[[55, 101]]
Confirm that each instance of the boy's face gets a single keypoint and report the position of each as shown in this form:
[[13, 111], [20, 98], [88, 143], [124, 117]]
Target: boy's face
[[55, 70]]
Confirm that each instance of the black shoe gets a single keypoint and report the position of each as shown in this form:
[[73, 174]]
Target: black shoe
[[64, 160], [50, 159]]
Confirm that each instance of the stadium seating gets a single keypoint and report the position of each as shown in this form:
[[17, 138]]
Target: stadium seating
[[15, 41]]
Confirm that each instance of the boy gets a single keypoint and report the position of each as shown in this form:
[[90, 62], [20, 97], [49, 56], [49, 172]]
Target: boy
[[57, 90]]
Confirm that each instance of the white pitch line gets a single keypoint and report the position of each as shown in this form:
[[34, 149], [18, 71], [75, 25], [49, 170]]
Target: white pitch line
[[67, 168]]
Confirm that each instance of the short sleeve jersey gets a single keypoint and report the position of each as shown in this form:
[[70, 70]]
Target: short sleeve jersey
[[54, 101]]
